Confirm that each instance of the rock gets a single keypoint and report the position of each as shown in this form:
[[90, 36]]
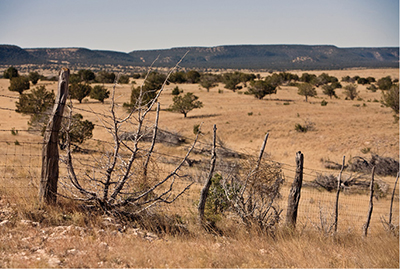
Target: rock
[[4, 222], [54, 262], [103, 245], [72, 251]]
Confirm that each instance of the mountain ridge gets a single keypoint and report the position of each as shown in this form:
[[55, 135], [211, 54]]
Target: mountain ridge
[[279, 57]]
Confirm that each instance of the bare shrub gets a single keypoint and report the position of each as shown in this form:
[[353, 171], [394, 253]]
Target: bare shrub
[[253, 193], [120, 179], [162, 136], [384, 166], [353, 184]]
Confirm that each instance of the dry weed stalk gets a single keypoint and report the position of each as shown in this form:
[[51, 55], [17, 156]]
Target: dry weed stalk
[[121, 177], [253, 194]]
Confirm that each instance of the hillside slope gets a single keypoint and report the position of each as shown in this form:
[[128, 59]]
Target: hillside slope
[[277, 57]]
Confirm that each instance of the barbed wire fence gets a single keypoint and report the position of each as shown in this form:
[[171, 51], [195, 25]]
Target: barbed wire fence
[[21, 163]]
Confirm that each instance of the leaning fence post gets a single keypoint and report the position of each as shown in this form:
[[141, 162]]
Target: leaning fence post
[[207, 185], [50, 157], [294, 195], [391, 201], [337, 196], [371, 204]]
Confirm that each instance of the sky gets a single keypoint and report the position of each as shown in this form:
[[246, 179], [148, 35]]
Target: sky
[[127, 25]]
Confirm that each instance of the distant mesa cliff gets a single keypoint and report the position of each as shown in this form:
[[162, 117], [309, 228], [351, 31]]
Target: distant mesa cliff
[[276, 57]]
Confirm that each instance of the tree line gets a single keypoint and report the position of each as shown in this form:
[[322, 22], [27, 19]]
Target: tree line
[[80, 86]]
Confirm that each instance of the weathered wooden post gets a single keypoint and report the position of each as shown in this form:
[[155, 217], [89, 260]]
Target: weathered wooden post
[[50, 156], [391, 201], [207, 185], [371, 204], [294, 195], [337, 196]]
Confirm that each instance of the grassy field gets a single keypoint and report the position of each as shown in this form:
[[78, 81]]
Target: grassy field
[[65, 236]]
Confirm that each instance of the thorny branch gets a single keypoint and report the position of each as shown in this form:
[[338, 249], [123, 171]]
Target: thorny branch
[[115, 181]]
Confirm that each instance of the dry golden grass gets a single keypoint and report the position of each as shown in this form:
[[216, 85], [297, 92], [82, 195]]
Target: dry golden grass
[[66, 236]]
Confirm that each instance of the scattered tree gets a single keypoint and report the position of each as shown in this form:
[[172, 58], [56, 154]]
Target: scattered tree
[[336, 85], [193, 76], [260, 88], [307, 90], [19, 84], [105, 77], [328, 89], [348, 79], [351, 91], [308, 78], [136, 76], [176, 91], [86, 75], [275, 80], [208, 81], [186, 103], [178, 77], [34, 77], [362, 81], [99, 93], [385, 83], [324, 79], [146, 92], [231, 80], [37, 104], [79, 131], [10, 73], [123, 79], [79, 91]]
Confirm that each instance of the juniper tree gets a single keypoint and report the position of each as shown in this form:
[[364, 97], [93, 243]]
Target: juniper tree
[[306, 89], [19, 84], [186, 103]]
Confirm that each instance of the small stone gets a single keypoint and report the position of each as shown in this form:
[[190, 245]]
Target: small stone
[[4, 222], [54, 261], [72, 251], [103, 245]]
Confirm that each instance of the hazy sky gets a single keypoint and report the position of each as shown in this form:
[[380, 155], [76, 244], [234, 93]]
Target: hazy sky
[[125, 25]]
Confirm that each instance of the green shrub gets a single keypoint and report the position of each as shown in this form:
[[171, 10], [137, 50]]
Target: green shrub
[[217, 202], [324, 103], [196, 129], [99, 93], [299, 128], [176, 91], [308, 126], [19, 84], [13, 131]]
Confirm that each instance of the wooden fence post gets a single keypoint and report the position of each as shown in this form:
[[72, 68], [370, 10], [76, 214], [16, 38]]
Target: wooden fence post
[[371, 204], [391, 201], [207, 185], [337, 196], [294, 195], [50, 156]]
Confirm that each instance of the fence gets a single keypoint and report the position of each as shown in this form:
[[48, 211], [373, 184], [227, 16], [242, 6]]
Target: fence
[[21, 164]]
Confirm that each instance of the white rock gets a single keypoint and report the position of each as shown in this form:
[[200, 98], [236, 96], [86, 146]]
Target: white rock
[[4, 222]]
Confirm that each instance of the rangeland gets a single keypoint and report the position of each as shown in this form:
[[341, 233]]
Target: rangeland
[[342, 127]]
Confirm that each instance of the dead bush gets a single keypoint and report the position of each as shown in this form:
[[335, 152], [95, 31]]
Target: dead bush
[[353, 184], [253, 193], [163, 136], [384, 166]]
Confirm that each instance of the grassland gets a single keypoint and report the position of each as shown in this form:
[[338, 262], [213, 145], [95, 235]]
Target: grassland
[[67, 237]]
